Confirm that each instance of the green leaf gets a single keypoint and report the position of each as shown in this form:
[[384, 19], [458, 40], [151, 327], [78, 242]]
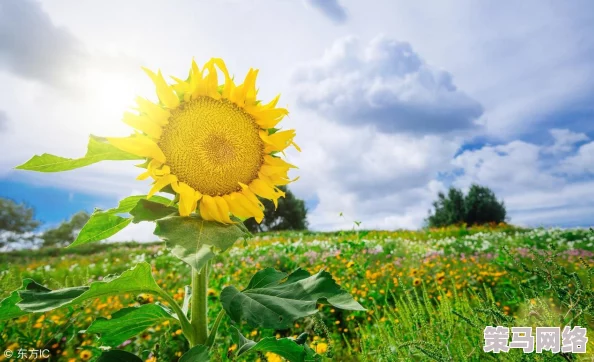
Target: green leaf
[[8, 305], [117, 355], [198, 353], [196, 241], [146, 210], [127, 323], [270, 302], [98, 149], [37, 298], [100, 226], [106, 223], [285, 347]]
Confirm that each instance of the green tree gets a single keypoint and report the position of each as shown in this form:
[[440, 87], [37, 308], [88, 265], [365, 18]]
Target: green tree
[[17, 222], [479, 206], [289, 215], [66, 232]]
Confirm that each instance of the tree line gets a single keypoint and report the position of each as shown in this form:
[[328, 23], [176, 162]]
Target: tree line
[[478, 206]]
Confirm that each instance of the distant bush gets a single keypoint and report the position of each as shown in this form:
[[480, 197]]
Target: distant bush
[[480, 206], [17, 222], [66, 232], [290, 214]]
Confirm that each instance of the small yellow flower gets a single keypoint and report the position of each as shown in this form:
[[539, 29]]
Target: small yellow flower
[[321, 348], [416, 282], [271, 357], [350, 264], [85, 355]]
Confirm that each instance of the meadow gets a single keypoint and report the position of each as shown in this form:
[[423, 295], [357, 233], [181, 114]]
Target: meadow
[[429, 294]]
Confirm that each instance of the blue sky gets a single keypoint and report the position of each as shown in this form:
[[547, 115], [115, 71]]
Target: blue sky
[[392, 100]]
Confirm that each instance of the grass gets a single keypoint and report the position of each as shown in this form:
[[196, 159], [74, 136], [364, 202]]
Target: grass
[[429, 294]]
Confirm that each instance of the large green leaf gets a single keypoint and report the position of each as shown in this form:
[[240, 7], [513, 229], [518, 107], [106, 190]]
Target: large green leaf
[[270, 301], [8, 305], [284, 347], [198, 353], [117, 355], [100, 226], [127, 323], [105, 223], [98, 149], [194, 240], [147, 210], [37, 298]]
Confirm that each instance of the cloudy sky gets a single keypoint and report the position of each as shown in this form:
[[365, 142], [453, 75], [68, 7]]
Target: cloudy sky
[[392, 101]]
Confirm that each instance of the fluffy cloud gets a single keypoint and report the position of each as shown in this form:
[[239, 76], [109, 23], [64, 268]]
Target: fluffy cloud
[[33, 47], [582, 163], [330, 8], [565, 140], [530, 182], [385, 84], [383, 180]]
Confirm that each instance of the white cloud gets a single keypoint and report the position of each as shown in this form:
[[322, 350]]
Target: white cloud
[[530, 184], [565, 140], [383, 180], [385, 84], [515, 65], [582, 163]]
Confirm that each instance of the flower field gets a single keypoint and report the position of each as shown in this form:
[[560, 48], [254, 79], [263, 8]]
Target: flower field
[[428, 294]]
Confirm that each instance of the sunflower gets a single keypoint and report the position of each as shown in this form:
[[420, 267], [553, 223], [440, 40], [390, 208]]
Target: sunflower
[[215, 146]]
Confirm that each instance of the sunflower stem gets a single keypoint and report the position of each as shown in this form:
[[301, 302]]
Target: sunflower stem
[[199, 305]]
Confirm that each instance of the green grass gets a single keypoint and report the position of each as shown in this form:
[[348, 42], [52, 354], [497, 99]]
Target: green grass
[[429, 294]]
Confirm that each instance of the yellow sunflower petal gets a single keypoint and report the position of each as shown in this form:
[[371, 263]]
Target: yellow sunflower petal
[[235, 206], [254, 209], [139, 145], [157, 114], [211, 208], [160, 183], [270, 117], [229, 84], [164, 91], [182, 88], [204, 211], [277, 161], [212, 81], [223, 209], [261, 188], [187, 199], [144, 175], [279, 140], [143, 123]]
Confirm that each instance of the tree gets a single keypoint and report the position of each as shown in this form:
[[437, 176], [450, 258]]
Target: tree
[[289, 215], [66, 232], [479, 206], [17, 222]]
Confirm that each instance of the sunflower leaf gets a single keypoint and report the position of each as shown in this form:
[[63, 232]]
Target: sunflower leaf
[[37, 298], [196, 241], [117, 355], [105, 223], [127, 323], [98, 149], [146, 210], [198, 353], [274, 299], [8, 305], [287, 348]]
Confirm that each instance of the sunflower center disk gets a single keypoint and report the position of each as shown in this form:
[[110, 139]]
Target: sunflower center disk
[[212, 145]]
